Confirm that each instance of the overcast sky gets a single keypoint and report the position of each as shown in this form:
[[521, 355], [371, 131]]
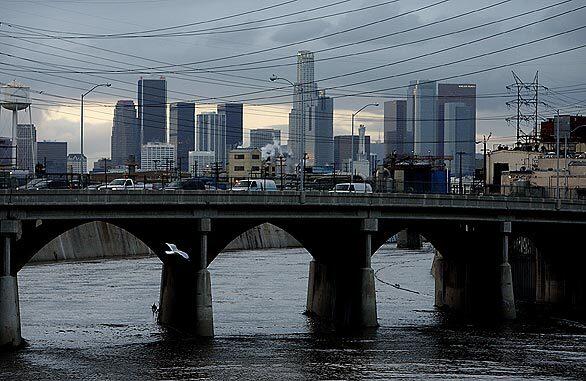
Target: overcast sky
[[56, 111]]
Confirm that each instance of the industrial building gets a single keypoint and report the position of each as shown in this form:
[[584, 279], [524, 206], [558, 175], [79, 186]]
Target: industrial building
[[244, 163]]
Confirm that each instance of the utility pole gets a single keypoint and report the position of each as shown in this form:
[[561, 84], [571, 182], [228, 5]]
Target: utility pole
[[484, 155], [281, 158], [460, 185], [106, 170], [557, 144], [195, 168]]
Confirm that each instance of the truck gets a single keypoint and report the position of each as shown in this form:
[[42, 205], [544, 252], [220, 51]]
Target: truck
[[124, 184]]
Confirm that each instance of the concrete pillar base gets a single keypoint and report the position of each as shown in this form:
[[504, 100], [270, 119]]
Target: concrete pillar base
[[343, 296], [9, 313], [408, 239], [186, 299], [437, 271], [508, 310]]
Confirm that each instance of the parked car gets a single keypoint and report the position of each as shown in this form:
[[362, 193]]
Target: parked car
[[33, 184], [124, 184], [260, 185], [39, 184], [187, 184], [352, 188]]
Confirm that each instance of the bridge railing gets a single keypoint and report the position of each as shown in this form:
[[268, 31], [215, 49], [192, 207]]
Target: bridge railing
[[74, 182]]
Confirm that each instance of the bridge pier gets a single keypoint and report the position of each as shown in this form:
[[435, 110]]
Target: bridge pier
[[10, 333], [480, 285], [186, 291], [409, 239], [507, 297], [560, 280], [344, 294]]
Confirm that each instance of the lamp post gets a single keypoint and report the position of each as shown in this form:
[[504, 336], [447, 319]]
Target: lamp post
[[274, 78], [352, 142], [82, 96]]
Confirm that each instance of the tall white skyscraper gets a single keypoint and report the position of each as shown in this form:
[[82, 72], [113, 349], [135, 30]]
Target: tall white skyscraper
[[422, 126], [311, 115], [26, 135], [211, 135], [157, 156]]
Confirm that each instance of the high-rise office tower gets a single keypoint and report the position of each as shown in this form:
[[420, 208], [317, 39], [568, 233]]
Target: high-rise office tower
[[76, 163], [343, 150], [182, 131], [125, 143], [395, 128], [157, 156], [304, 98], [422, 118], [53, 155], [455, 93], [152, 110], [232, 114], [459, 137], [323, 136], [26, 147], [211, 135], [261, 137], [6, 153]]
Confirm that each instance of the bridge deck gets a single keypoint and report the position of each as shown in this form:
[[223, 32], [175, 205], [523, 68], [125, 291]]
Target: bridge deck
[[288, 204]]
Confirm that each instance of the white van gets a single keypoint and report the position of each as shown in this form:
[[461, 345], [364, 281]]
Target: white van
[[352, 188], [260, 185]]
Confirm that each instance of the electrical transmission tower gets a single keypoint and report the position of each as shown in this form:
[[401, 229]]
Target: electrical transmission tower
[[526, 104]]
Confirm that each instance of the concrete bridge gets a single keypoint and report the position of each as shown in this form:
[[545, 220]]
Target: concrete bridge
[[476, 272]]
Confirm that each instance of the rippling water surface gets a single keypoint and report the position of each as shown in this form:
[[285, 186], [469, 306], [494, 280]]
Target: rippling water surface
[[93, 320]]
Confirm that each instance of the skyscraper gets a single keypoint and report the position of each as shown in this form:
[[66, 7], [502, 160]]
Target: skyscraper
[[395, 128], [182, 131], [125, 137], [53, 155], [26, 147], [323, 136], [304, 96], [343, 149], [232, 114], [5, 152], [211, 135], [422, 119], [152, 110], [157, 156], [454, 93], [260, 137], [459, 136]]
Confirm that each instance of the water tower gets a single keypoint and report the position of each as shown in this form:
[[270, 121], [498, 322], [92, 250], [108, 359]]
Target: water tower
[[15, 96]]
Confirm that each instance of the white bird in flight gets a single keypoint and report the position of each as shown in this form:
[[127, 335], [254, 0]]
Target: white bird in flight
[[175, 251]]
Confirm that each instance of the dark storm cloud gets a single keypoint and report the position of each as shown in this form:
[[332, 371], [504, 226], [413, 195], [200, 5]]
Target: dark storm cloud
[[103, 18]]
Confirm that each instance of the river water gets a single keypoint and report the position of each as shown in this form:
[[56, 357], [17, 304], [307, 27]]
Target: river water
[[93, 321]]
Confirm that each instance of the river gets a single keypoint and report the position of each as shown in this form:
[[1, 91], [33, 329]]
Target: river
[[93, 321]]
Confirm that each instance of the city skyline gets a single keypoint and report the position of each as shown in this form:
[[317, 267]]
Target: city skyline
[[56, 122]]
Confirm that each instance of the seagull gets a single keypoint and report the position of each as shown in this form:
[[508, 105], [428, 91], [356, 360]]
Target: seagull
[[175, 250]]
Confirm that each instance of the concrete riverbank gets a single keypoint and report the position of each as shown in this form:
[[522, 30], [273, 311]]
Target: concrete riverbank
[[101, 240]]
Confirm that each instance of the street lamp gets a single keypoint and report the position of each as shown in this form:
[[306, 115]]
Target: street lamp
[[82, 96], [274, 78], [352, 142]]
